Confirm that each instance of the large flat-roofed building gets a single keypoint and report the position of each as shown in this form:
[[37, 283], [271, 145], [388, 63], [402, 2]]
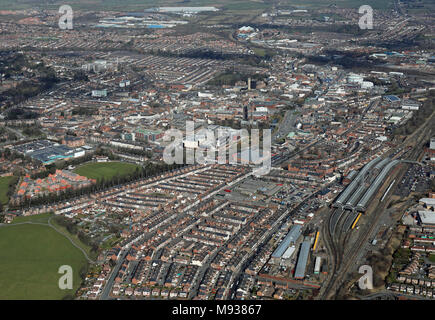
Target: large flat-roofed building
[[286, 258], [99, 93], [392, 98], [317, 265], [302, 260], [46, 151], [432, 149], [428, 202], [427, 217], [410, 105], [251, 186], [147, 134], [185, 9], [289, 252], [291, 237]]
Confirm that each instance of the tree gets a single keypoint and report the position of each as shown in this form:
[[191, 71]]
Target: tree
[[80, 75]]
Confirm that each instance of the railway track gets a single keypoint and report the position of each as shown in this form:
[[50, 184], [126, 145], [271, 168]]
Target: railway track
[[335, 245], [332, 252], [339, 223], [342, 255]]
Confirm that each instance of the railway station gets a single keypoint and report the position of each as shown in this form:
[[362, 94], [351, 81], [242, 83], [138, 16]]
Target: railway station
[[357, 195]]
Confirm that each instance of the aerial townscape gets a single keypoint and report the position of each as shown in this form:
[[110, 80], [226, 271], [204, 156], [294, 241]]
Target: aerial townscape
[[217, 150]]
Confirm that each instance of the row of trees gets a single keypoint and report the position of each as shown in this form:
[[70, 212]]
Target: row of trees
[[6, 136], [84, 111], [24, 91], [46, 78], [230, 78], [136, 152], [348, 60], [335, 28], [12, 63], [10, 189]]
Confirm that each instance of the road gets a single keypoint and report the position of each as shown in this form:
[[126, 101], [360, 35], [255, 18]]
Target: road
[[108, 286]]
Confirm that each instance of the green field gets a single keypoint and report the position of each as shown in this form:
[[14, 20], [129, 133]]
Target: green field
[[4, 186], [43, 218], [39, 218], [106, 170], [30, 258]]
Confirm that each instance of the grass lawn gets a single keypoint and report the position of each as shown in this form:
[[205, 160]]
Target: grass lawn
[[106, 170], [4, 186], [260, 52], [110, 243], [432, 258], [30, 258], [75, 238], [40, 218]]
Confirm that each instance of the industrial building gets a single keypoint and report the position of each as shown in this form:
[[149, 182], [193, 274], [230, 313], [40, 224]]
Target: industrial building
[[302, 259], [427, 217], [48, 152], [284, 251], [428, 202], [286, 257], [317, 265]]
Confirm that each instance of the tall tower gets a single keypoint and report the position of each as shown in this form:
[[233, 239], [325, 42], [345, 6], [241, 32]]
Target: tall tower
[[249, 83]]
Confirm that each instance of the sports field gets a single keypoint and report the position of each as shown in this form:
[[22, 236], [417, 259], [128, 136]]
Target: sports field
[[106, 170], [30, 256]]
